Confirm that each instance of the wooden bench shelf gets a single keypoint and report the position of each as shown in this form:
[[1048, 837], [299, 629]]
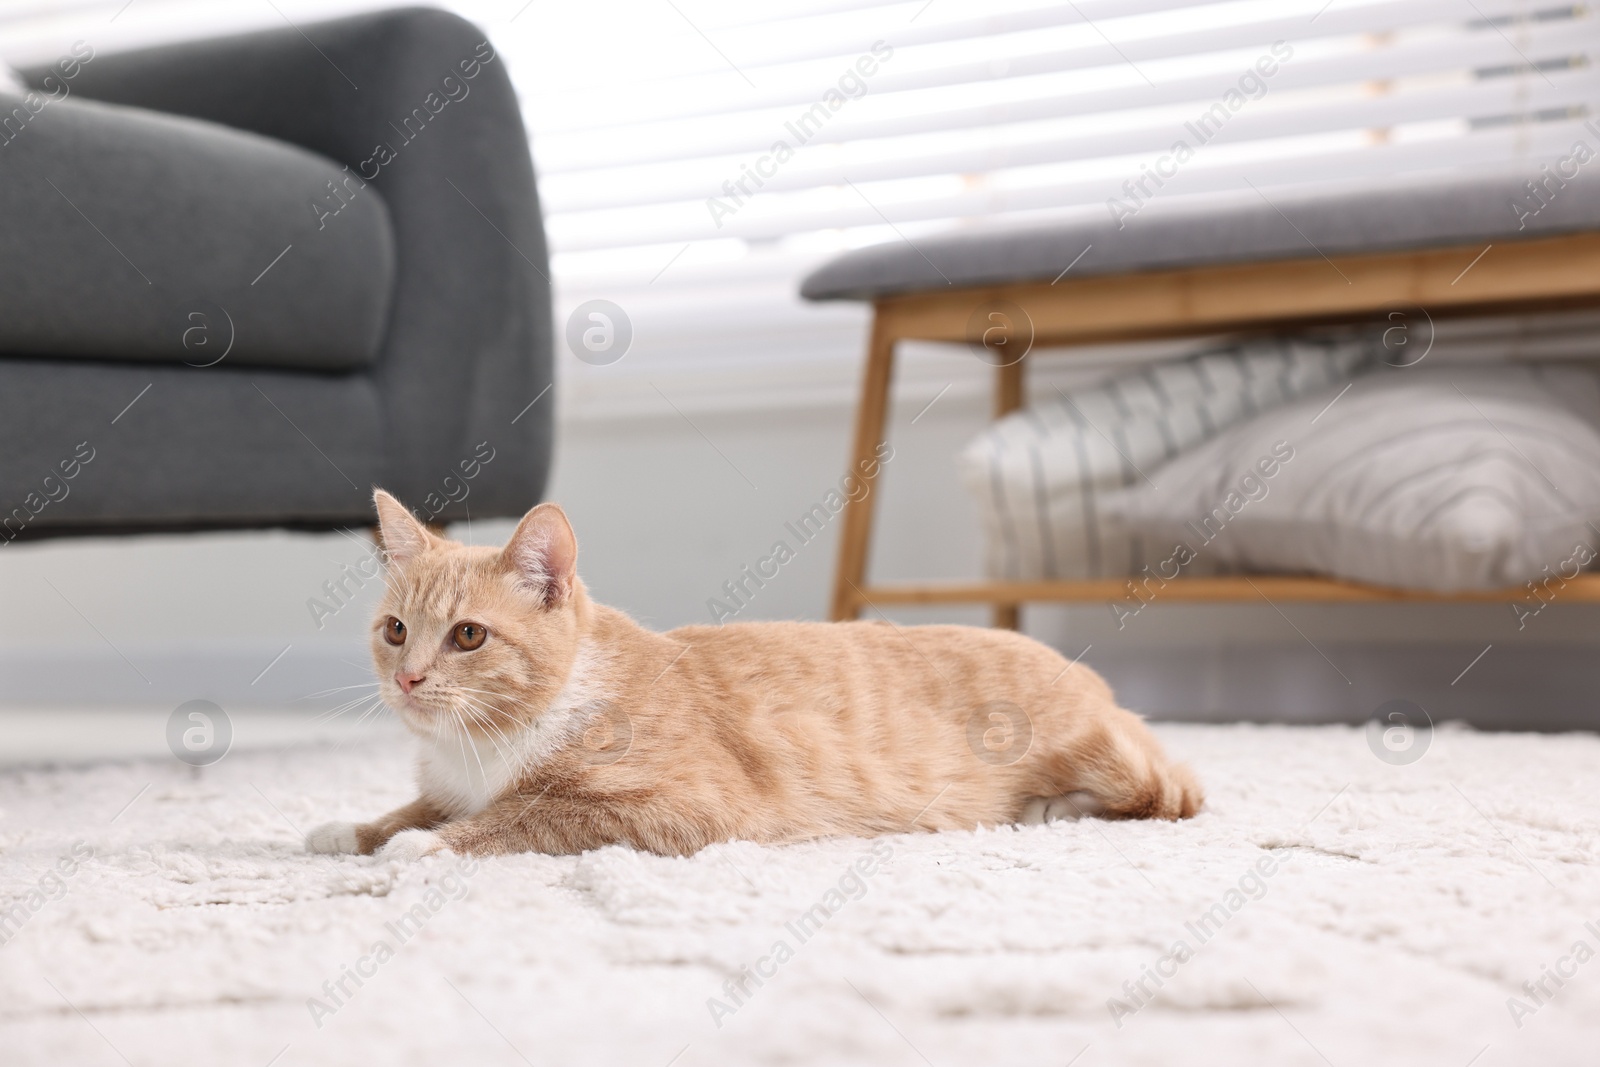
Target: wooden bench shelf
[[1585, 588]]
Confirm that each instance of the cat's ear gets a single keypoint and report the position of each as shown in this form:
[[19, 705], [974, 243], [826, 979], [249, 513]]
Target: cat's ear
[[543, 553], [402, 536]]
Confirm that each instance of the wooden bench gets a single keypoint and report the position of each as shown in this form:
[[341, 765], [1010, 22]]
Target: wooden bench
[[1462, 250]]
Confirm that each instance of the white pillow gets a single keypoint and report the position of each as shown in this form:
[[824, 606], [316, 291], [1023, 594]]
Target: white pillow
[[1037, 473], [1432, 478]]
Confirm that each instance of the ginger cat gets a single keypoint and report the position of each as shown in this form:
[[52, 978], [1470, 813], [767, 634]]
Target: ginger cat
[[551, 723]]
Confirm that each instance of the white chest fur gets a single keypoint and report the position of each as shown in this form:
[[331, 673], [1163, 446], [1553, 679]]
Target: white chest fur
[[465, 774]]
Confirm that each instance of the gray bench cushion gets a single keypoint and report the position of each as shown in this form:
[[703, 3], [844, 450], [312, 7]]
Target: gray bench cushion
[[1161, 236], [151, 218]]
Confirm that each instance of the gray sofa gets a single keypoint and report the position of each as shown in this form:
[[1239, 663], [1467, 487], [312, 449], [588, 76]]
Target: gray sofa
[[244, 280]]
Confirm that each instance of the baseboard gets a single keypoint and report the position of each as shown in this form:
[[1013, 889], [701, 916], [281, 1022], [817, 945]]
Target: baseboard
[[233, 674], [1546, 687]]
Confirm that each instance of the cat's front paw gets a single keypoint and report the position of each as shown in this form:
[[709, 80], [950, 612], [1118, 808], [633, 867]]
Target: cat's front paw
[[333, 837], [407, 846]]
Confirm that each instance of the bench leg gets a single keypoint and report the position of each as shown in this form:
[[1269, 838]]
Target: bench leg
[[856, 538], [1009, 394]]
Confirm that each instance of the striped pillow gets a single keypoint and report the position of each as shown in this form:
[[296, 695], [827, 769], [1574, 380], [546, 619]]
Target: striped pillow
[[1036, 473]]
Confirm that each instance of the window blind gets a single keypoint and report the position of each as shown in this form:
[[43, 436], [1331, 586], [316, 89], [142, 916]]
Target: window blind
[[665, 194]]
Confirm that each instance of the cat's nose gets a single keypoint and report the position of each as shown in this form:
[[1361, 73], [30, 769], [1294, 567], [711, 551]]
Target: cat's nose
[[407, 682]]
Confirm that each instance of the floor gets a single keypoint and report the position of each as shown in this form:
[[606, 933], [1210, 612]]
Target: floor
[[1327, 908]]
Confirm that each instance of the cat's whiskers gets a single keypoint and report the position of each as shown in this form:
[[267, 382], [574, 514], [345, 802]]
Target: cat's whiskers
[[479, 711], [461, 739], [475, 710], [440, 728], [339, 689], [502, 743], [376, 708], [502, 712], [347, 706], [470, 689]]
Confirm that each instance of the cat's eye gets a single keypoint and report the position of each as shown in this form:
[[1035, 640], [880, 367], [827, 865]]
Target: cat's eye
[[394, 631], [469, 635]]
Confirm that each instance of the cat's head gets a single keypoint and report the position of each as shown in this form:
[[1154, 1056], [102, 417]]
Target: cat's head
[[475, 639]]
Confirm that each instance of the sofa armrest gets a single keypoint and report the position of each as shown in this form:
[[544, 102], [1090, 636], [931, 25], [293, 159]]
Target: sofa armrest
[[417, 103]]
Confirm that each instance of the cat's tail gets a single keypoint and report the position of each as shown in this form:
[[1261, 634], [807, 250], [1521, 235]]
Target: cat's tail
[[1117, 769]]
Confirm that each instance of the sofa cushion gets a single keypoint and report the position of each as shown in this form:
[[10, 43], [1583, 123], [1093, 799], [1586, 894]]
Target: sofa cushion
[[93, 447], [131, 235], [1161, 236]]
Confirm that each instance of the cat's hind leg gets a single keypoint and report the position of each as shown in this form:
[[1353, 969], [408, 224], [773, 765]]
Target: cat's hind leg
[[1040, 810], [1113, 767]]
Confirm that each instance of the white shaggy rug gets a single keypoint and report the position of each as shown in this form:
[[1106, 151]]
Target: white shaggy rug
[[1332, 909]]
